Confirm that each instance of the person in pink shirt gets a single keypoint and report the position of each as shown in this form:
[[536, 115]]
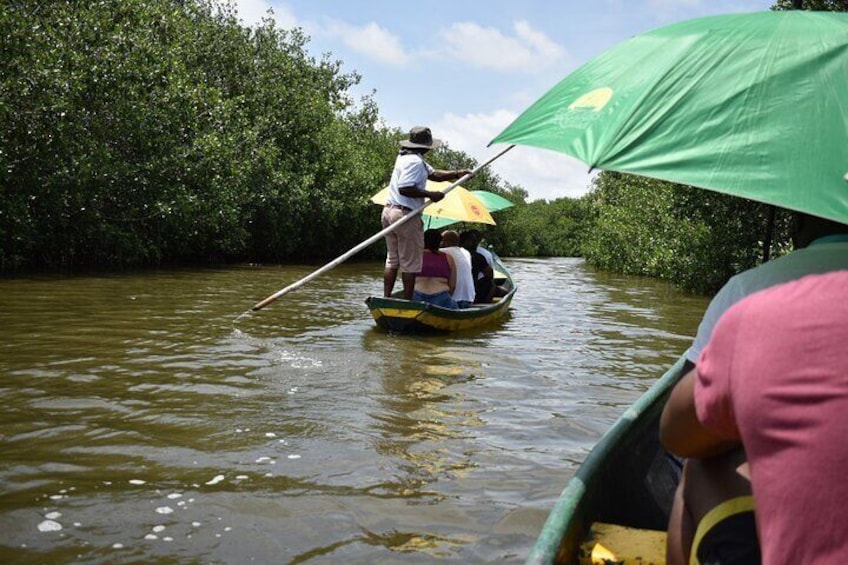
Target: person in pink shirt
[[773, 377]]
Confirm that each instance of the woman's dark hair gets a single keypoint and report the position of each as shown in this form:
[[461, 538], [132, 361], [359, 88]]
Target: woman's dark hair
[[467, 241], [432, 240]]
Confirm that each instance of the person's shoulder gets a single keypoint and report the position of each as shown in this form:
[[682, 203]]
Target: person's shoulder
[[410, 159], [459, 253], [764, 271], [817, 296], [816, 287], [791, 266]]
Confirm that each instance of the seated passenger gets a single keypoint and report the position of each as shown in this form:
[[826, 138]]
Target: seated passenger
[[478, 237], [819, 246], [482, 272], [771, 379], [464, 291], [437, 279]]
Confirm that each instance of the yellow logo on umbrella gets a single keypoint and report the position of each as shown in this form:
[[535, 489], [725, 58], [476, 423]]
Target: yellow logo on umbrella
[[596, 99]]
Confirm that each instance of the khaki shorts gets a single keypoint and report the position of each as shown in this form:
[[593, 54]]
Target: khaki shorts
[[404, 245]]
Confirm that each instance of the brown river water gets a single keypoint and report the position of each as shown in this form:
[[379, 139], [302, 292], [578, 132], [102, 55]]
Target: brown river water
[[144, 421]]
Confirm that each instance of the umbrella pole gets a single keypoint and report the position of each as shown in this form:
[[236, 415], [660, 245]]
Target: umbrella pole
[[769, 233], [376, 237]]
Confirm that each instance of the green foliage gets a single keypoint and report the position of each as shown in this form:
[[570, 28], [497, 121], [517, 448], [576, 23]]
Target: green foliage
[[137, 132], [540, 228], [814, 5], [693, 237], [140, 131]]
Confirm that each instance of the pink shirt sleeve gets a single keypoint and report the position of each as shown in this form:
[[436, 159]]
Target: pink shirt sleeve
[[714, 380]]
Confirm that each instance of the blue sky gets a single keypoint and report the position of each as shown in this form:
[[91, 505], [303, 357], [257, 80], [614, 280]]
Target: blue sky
[[467, 68]]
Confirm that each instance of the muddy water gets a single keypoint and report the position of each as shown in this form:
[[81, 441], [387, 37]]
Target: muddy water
[[144, 423]]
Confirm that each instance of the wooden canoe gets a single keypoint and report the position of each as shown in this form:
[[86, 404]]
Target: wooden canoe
[[626, 480], [405, 316]]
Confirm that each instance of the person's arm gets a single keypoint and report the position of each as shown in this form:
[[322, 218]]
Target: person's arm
[[680, 430], [414, 192], [452, 277], [439, 175], [489, 272]]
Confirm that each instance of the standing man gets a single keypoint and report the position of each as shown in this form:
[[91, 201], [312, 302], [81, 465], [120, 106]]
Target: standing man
[[482, 270], [407, 191]]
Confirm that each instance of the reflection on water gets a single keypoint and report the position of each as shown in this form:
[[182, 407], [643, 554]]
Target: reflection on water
[[145, 421]]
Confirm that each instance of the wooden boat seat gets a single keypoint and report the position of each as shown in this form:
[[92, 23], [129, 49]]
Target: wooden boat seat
[[611, 544]]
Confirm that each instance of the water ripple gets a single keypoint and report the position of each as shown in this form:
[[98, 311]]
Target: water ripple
[[146, 420]]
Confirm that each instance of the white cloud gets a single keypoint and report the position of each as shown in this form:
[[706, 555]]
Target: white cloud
[[370, 40], [544, 174], [529, 50], [252, 12]]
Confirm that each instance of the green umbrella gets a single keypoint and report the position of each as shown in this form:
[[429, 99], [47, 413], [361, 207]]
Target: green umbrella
[[754, 105], [492, 201]]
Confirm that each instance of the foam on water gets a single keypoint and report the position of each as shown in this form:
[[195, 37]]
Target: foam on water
[[49, 526]]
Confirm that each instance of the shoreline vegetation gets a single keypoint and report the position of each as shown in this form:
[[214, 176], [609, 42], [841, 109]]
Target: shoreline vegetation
[[145, 133]]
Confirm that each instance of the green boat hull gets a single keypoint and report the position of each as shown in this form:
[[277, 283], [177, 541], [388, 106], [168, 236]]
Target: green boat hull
[[405, 316], [627, 479]]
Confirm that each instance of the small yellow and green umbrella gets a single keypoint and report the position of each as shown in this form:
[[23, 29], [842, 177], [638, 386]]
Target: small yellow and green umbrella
[[459, 205], [754, 105], [493, 203]]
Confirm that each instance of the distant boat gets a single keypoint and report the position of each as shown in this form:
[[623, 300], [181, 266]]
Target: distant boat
[[405, 316], [616, 507]]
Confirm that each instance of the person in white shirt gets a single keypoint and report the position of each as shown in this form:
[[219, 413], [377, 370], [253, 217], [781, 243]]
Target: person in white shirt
[[464, 291]]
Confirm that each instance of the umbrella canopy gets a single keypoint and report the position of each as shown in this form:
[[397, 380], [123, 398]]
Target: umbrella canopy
[[460, 205], [754, 105], [493, 202]]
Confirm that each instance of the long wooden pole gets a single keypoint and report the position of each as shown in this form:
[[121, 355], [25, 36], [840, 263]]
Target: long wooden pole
[[376, 237]]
